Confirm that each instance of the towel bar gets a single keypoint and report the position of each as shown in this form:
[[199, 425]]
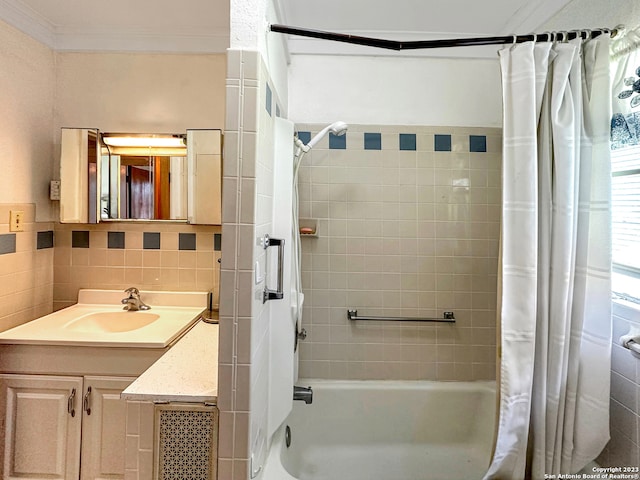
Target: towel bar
[[447, 317], [634, 348]]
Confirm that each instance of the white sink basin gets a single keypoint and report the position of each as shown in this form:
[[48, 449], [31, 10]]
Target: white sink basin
[[99, 320], [111, 322]]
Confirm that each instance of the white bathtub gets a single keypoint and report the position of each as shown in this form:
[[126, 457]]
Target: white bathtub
[[387, 430]]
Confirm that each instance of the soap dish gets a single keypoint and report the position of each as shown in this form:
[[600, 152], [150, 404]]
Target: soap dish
[[308, 227]]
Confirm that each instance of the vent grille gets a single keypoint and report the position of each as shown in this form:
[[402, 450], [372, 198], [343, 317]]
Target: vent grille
[[187, 442]]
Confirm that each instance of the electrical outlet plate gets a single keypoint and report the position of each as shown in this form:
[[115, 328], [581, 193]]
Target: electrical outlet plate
[[16, 221]]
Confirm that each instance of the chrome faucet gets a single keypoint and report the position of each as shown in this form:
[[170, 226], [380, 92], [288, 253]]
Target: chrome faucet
[[133, 303], [303, 393]]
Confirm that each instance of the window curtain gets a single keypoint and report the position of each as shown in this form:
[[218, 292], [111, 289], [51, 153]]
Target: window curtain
[[556, 259], [625, 70]]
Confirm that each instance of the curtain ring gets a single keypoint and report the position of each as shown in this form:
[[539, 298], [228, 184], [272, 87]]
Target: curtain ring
[[535, 37], [515, 38], [565, 36]]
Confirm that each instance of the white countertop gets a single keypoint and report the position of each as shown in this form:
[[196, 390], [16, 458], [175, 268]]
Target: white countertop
[[81, 324], [188, 372]]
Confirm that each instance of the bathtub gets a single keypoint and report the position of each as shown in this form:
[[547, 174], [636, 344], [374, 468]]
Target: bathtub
[[386, 430]]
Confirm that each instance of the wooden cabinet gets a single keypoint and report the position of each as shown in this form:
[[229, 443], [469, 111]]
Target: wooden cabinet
[[62, 427]]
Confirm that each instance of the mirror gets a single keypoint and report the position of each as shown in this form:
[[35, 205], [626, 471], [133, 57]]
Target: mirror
[[124, 177]]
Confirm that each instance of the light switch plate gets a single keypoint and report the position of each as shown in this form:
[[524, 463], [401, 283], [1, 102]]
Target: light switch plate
[[54, 190], [16, 221]]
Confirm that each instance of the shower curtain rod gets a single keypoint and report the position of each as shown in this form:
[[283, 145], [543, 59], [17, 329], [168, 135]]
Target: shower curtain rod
[[459, 42]]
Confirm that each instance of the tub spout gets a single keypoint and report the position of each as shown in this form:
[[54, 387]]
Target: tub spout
[[303, 393]]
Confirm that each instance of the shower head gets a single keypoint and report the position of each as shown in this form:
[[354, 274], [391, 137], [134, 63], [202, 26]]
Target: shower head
[[337, 128]]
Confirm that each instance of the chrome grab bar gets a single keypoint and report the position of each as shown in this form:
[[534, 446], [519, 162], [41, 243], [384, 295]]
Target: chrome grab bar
[[278, 293], [447, 317]]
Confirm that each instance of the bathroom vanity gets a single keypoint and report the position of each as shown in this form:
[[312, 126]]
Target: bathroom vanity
[[62, 414]]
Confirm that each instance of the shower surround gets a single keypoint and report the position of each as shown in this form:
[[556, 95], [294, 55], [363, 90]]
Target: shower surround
[[408, 221]]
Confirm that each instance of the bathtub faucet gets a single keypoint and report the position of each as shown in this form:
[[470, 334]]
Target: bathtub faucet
[[133, 303], [303, 393]]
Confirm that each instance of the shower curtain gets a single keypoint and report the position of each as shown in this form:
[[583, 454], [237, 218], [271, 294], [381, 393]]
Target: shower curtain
[[555, 269]]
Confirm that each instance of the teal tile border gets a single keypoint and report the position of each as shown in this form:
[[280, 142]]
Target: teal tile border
[[186, 241], [269, 100], [305, 137], [44, 240], [477, 143], [337, 142], [115, 240], [373, 141], [151, 240], [442, 143], [407, 141], [7, 243], [80, 239]]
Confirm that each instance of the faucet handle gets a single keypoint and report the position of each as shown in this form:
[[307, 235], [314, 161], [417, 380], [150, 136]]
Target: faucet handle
[[132, 291]]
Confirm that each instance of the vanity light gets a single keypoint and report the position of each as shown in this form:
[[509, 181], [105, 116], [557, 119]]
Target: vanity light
[[151, 141], [172, 145]]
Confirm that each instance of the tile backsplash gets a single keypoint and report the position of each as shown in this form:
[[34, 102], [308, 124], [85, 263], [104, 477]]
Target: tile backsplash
[[26, 268], [150, 256], [408, 221]]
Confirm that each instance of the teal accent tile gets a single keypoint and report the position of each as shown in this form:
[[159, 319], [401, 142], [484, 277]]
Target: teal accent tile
[[80, 239], [337, 142], [305, 137], [477, 143], [151, 240], [407, 141], [44, 240], [7, 243], [373, 141], [442, 143], [115, 240], [186, 241], [269, 100]]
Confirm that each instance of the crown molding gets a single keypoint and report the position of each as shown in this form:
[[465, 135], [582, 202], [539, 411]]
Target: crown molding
[[143, 39], [70, 40], [18, 15]]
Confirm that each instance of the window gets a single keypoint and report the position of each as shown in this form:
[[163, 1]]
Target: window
[[625, 197]]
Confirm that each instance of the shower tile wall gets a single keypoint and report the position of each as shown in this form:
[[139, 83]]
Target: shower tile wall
[[26, 268], [624, 446], [150, 256], [408, 225]]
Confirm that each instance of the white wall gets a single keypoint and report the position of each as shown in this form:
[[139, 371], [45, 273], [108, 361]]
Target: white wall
[[395, 91], [140, 92], [26, 124]]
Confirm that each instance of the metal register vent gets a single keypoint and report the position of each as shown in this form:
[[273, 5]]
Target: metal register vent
[[186, 442]]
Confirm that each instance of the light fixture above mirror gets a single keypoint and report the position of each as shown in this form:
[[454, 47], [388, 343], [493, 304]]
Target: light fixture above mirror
[[174, 145]]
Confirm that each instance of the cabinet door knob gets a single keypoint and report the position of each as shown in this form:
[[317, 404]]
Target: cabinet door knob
[[70, 403], [85, 403]]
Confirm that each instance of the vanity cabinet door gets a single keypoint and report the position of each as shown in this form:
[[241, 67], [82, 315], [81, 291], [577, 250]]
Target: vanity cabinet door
[[40, 425], [103, 428]]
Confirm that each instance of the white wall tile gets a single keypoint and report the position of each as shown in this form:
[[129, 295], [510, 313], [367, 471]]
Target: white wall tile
[[384, 252]]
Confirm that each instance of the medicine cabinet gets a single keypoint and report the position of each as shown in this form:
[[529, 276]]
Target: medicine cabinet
[[151, 177]]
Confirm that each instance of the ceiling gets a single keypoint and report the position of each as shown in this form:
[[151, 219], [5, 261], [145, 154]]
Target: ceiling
[[203, 25]]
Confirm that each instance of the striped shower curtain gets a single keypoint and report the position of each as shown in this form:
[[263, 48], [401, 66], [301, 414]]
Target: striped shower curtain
[[555, 269]]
